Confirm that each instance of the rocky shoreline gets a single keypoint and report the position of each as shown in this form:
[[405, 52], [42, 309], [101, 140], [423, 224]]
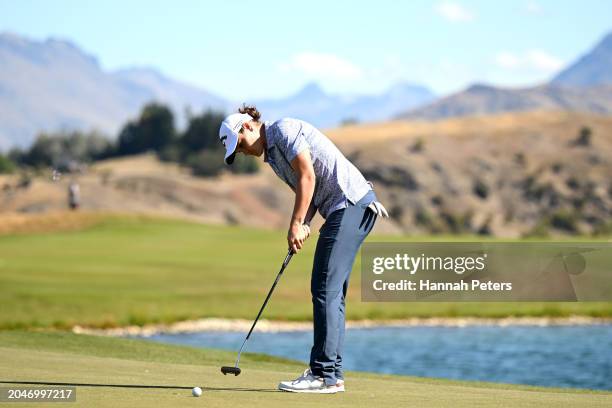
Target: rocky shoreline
[[241, 325]]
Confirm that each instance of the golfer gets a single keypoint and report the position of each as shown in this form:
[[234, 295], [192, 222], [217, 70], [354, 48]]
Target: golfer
[[322, 178]]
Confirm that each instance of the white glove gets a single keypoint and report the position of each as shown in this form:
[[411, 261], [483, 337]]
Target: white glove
[[378, 209], [306, 229]]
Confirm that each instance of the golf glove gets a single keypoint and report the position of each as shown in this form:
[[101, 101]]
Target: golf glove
[[378, 209], [306, 229]]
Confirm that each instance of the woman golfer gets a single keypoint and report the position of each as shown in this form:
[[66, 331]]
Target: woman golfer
[[322, 178]]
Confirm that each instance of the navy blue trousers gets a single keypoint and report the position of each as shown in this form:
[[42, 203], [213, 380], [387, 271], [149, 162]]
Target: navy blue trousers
[[340, 237]]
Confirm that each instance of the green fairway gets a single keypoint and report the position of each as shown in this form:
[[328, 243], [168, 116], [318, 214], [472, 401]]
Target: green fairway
[[137, 270], [79, 359]]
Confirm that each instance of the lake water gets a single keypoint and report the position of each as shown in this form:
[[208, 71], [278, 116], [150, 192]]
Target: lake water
[[556, 356]]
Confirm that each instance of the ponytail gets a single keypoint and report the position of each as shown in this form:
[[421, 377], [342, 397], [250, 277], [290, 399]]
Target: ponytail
[[250, 110]]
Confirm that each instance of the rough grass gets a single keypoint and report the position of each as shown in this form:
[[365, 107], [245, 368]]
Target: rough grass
[[123, 369], [55, 221]]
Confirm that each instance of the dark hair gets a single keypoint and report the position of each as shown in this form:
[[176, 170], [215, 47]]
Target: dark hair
[[251, 110]]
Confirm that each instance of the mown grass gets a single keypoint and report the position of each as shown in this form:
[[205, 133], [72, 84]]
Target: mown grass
[[138, 270]]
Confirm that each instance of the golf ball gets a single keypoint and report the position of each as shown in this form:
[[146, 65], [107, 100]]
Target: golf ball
[[196, 392]]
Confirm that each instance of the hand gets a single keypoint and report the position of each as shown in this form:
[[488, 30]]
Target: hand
[[297, 234]]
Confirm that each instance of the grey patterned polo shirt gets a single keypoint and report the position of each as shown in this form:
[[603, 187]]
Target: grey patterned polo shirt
[[337, 180]]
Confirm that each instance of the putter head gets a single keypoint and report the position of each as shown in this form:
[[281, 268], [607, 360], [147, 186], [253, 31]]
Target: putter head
[[230, 370]]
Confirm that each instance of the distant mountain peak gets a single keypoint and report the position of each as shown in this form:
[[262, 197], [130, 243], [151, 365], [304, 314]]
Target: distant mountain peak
[[45, 52], [62, 42], [607, 40], [9, 36], [481, 87], [143, 71], [407, 85], [140, 69], [593, 68], [311, 90], [72, 91]]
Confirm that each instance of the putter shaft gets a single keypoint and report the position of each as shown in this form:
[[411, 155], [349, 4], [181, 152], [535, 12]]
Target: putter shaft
[[285, 263]]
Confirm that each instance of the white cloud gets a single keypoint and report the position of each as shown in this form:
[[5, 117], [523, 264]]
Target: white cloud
[[322, 66], [507, 60], [534, 60], [454, 12], [531, 7], [544, 61]]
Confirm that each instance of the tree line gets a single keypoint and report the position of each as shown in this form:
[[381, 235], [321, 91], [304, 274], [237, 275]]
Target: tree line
[[154, 130]]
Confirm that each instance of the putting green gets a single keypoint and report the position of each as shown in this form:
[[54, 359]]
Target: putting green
[[69, 358]]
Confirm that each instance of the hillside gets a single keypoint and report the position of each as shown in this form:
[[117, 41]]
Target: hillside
[[504, 175], [142, 184]]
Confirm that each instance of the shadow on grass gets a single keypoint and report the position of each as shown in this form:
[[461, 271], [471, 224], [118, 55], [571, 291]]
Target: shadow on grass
[[169, 387]]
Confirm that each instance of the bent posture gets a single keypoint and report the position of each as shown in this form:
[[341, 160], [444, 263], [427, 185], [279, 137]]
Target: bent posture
[[322, 178]]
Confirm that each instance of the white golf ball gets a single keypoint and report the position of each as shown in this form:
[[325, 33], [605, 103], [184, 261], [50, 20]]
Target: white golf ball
[[196, 392]]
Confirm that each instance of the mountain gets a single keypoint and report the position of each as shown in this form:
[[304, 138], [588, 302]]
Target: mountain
[[584, 86], [314, 105], [173, 92], [51, 84], [386, 105], [594, 68], [484, 100]]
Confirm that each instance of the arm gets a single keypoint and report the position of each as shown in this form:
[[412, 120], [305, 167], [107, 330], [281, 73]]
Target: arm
[[312, 211], [304, 190]]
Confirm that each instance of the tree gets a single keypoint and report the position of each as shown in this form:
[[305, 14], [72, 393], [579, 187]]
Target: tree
[[203, 132], [129, 141], [157, 126], [45, 151], [154, 130], [202, 150], [61, 148]]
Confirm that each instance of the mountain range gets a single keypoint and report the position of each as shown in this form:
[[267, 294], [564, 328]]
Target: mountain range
[[314, 105], [53, 84], [584, 86]]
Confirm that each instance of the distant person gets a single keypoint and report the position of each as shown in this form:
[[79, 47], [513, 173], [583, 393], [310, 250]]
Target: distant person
[[74, 195], [322, 178]]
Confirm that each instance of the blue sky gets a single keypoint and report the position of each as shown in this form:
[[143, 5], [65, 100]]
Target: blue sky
[[253, 49]]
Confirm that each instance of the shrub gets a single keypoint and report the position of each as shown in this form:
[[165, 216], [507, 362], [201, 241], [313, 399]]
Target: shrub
[[481, 189], [565, 221], [206, 163], [244, 165], [6, 165]]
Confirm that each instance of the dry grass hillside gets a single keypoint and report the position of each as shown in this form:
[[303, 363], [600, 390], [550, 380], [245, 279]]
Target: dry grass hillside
[[505, 175], [143, 184]]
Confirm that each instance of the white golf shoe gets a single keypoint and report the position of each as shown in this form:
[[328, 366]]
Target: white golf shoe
[[309, 383]]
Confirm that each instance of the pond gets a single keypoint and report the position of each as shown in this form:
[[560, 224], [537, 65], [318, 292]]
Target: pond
[[555, 356]]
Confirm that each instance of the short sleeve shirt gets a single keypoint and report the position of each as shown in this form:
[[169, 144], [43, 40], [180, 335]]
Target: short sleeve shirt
[[338, 181]]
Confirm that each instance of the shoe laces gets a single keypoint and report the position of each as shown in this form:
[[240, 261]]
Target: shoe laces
[[306, 375]]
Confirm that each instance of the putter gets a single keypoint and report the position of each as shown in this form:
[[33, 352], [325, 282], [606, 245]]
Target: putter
[[236, 370]]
